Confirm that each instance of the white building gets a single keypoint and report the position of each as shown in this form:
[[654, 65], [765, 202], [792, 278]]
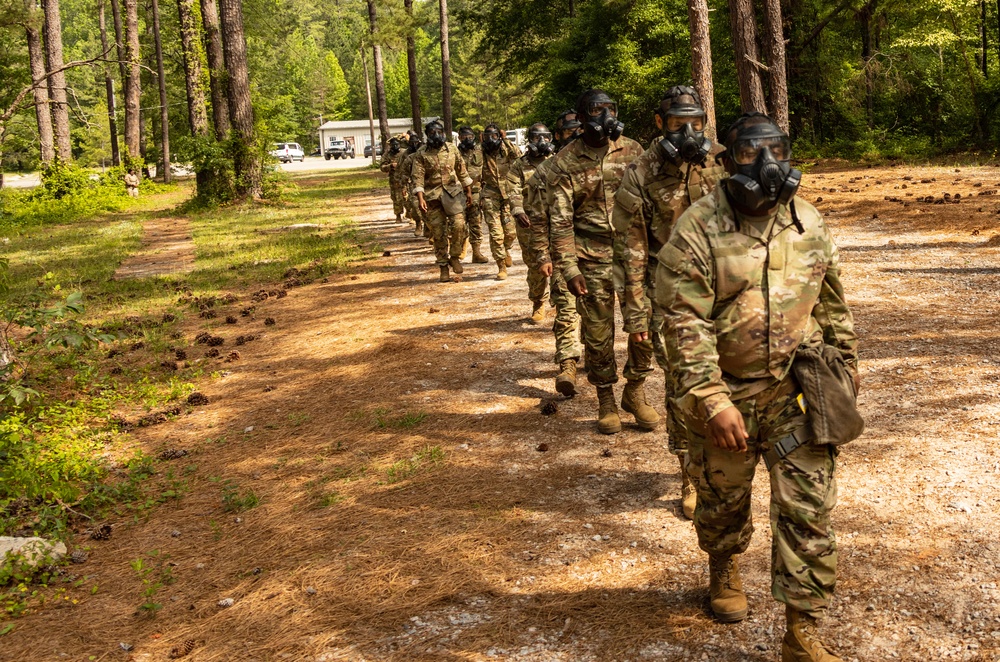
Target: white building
[[358, 132]]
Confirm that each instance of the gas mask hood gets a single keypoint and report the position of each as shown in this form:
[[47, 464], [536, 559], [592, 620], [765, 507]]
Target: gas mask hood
[[764, 177], [435, 135], [597, 129], [491, 142]]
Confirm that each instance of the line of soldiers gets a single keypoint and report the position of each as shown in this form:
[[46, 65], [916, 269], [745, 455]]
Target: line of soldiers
[[722, 274]]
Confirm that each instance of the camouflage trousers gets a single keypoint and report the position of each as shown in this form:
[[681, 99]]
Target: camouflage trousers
[[496, 213], [803, 493], [447, 232], [566, 327], [597, 321], [413, 206], [537, 292], [677, 435], [398, 198], [474, 222]]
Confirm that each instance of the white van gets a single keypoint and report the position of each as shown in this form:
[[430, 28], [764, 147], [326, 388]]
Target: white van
[[518, 136]]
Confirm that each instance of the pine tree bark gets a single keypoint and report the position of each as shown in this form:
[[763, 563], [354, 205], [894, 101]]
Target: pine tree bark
[[217, 77], [982, 30], [445, 70], [864, 15], [744, 28], [109, 89], [777, 72], [246, 161], [162, 83], [411, 68], [132, 72], [36, 60], [57, 81], [383, 113], [191, 51], [116, 15], [368, 96], [701, 61]]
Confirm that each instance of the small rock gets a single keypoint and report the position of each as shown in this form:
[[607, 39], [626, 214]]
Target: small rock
[[124, 646], [310, 590], [175, 534], [248, 429], [226, 602]]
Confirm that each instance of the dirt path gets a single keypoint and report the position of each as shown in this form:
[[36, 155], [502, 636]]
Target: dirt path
[[167, 248], [390, 426]]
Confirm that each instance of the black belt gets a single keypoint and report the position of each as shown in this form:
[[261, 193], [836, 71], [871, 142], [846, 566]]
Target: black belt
[[786, 445], [596, 237]]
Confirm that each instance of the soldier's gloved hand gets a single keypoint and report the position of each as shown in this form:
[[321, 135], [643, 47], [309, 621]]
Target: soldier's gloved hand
[[577, 285], [546, 269], [523, 220], [727, 431]]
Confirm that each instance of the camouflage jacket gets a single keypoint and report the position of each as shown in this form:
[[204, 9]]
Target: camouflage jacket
[[404, 169], [653, 195], [474, 165], [389, 162], [582, 185], [435, 170], [495, 167], [518, 175], [741, 295], [536, 206]]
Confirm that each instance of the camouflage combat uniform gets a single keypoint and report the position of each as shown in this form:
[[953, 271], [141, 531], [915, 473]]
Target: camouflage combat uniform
[[522, 170], [434, 172], [582, 185], [739, 296], [404, 179], [396, 189], [495, 197], [473, 214], [653, 194], [566, 327]]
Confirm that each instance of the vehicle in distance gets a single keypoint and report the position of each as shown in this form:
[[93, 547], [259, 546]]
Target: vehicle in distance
[[517, 136], [339, 149], [288, 152], [368, 151]]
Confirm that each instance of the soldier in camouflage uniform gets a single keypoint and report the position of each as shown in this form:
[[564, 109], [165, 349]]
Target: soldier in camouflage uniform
[[662, 183], [566, 327], [582, 185], [439, 180], [404, 177], [540, 148], [498, 155], [395, 189], [472, 154], [748, 276]]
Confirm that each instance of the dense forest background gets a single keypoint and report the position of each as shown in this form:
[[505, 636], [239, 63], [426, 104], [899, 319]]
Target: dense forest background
[[881, 78]]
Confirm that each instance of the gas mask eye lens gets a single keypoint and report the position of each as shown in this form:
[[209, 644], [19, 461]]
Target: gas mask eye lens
[[746, 152], [597, 108]]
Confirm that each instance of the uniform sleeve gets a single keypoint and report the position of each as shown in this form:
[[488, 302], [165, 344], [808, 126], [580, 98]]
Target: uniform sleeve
[[536, 207], [475, 167], [685, 291], [417, 173], [629, 221], [515, 182], [562, 241], [832, 313], [386, 164], [461, 171]]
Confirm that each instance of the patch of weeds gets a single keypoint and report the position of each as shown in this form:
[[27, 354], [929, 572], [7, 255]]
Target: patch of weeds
[[235, 500], [154, 573], [298, 418], [329, 499], [383, 418], [426, 458], [23, 582]]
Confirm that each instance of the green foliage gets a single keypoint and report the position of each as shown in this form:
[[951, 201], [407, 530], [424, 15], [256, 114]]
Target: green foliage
[[154, 573], [426, 458], [235, 500]]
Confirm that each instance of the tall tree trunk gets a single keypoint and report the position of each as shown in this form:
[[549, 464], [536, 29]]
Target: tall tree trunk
[[132, 73], [777, 78], [246, 161], [701, 61], [368, 95], [383, 113], [116, 15], [57, 81], [109, 89], [744, 27], [36, 59], [197, 117], [411, 68], [982, 31], [865, 15], [217, 77], [445, 71], [164, 114]]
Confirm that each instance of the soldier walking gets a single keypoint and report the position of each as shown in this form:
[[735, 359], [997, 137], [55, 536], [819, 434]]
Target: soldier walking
[[472, 154], [498, 156], [582, 185], [749, 281], [442, 186], [656, 189], [396, 189], [540, 148], [404, 178]]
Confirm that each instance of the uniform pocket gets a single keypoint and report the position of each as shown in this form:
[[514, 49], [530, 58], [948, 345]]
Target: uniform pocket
[[735, 270]]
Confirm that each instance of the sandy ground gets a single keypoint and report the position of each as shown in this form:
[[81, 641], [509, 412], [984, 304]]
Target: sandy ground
[[390, 426]]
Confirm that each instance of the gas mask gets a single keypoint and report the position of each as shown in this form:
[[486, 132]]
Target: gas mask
[[394, 146], [415, 143], [539, 142], [435, 136], [491, 141], [684, 138], [601, 120], [764, 177], [466, 142]]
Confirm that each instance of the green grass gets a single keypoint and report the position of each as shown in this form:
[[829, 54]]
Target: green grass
[[426, 458]]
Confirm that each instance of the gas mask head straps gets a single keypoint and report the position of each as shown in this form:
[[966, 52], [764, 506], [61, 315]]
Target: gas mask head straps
[[683, 121]]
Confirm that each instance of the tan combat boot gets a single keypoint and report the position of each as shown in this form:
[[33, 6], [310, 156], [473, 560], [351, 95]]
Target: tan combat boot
[[801, 642], [444, 274], [729, 602], [477, 257], [608, 421], [399, 219], [689, 495], [418, 230], [537, 312], [501, 271], [566, 379], [634, 402], [509, 261], [456, 264]]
